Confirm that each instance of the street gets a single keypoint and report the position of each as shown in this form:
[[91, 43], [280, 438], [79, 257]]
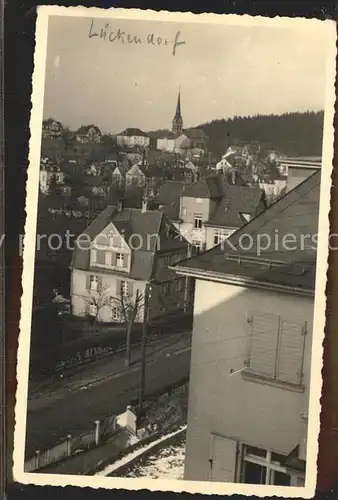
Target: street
[[74, 411]]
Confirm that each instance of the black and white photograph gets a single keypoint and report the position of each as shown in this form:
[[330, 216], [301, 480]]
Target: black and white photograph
[[175, 252]]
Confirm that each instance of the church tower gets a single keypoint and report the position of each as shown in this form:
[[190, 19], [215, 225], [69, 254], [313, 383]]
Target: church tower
[[177, 125]]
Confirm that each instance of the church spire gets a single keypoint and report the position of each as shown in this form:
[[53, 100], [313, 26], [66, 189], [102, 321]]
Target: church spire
[[177, 125]]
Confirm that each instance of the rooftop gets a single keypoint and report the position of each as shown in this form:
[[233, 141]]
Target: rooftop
[[129, 132], [132, 221], [83, 130], [169, 196], [236, 201], [247, 257]]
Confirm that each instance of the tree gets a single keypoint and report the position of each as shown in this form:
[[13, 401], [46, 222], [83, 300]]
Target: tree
[[129, 309], [97, 300]]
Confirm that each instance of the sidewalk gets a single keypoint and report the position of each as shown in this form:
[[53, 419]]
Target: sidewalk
[[108, 367]]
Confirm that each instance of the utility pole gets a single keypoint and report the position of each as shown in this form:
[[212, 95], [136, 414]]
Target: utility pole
[[143, 348]]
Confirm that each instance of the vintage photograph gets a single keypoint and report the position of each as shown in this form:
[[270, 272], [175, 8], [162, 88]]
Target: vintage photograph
[[175, 252]]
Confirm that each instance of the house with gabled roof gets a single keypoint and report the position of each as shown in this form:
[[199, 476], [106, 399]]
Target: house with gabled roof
[[191, 139], [136, 175], [51, 129], [88, 134], [133, 137], [251, 347], [119, 253], [212, 208]]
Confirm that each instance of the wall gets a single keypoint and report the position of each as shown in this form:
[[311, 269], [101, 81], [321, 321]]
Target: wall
[[258, 414], [297, 175], [80, 296], [165, 144], [193, 206]]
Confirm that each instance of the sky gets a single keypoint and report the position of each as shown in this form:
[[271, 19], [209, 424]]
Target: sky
[[221, 71]]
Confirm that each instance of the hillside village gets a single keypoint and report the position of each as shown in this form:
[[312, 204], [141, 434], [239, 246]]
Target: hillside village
[[82, 172], [154, 211]]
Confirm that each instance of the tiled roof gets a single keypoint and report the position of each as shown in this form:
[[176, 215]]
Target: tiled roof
[[237, 200], [132, 221], [206, 187], [169, 196], [297, 214], [128, 132]]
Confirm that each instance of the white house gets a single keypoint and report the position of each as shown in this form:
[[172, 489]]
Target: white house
[[132, 137]]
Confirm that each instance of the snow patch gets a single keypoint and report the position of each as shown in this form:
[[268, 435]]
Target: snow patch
[[126, 459]]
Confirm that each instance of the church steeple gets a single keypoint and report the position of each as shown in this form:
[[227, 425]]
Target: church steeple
[[177, 125]]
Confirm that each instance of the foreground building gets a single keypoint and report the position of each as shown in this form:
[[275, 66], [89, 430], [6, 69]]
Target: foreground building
[[121, 252], [251, 348]]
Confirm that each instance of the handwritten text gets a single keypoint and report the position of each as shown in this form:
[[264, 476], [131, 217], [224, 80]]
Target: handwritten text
[[118, 36]]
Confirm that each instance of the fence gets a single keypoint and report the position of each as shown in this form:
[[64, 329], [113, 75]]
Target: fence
[[101, 430]]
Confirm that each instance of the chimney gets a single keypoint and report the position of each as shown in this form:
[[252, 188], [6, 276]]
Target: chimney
[[144, 204], [233, 177], [120, 203]]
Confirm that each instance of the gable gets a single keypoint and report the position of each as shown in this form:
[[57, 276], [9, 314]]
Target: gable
[[111, 237]]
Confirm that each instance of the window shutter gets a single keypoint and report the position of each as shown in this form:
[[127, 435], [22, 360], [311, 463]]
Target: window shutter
[[125, 260], [100, 257], [113, 259], [88, 282], [263, 343], [130, 289], [99, 283], [224, 459], [118, 287], [291, 352]]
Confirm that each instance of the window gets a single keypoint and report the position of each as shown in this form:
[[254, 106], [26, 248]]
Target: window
[[258, 467], [123, 286], [116, 313], [92, 309], [276, 348], [197, 245], [94, 283], [119, 260], [219, 236], [197, 221]]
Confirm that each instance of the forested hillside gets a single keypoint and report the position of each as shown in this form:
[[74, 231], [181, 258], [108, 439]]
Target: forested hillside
[[293, 134]]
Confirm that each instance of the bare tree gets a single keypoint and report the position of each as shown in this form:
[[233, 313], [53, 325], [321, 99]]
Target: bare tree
[[129, 309], [97, 300]]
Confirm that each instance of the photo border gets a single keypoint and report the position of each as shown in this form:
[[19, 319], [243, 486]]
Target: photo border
[[29, 259]]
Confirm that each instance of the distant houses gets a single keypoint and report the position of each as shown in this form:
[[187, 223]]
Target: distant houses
[[132, 137]]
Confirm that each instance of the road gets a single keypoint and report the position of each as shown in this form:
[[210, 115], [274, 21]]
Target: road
[[76, 412]]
